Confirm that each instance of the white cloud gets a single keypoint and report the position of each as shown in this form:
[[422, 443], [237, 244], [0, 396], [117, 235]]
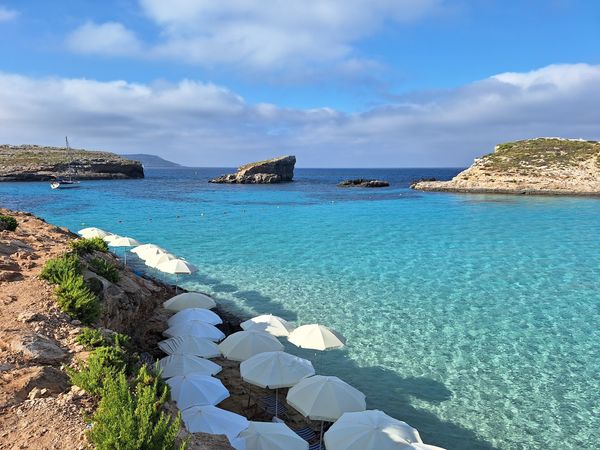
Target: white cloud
[[6, 15], [270, 34], [110, 38], [204, 124]]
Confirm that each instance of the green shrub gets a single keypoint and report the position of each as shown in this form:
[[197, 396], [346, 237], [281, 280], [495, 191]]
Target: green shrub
[[84, 246], [90, 338], [102, 364], [59, 269], [105, 269], [8, 223], [76, 299], [129, 417]]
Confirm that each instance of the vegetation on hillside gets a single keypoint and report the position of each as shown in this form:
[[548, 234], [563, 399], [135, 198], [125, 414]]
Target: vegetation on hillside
[[8, 223], [541, 153]]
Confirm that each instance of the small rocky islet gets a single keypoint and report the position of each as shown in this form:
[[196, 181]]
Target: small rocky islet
[[547, 166], [275, 170], [43, 163], [362, 182]]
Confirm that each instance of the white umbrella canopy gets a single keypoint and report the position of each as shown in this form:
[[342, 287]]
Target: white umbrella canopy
[[275, 370], [123, 241], [156, 260], [110, 237], [202, 314], [325, 398], [151, 251], [190, 345], [269, 436], [177, 365], [92, 232], [189, 300], [176, 267], [142, 248], [213, 420], [370, 430], [196, 389], [316, 337], [270, 324], [245, 344], [196, 328]]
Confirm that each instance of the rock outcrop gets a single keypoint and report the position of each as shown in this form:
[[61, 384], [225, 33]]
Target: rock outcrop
[[361, 182], [276, 170], [38, 163], [551, 166]]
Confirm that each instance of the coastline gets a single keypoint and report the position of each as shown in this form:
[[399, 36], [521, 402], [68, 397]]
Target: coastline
[[38, 403], [445, 186]]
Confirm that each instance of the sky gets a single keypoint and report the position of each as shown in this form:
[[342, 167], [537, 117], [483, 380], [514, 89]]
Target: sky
[[338, 83]]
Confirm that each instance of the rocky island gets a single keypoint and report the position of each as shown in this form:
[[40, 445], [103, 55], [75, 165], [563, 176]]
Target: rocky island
[[551, 166], [276, 170], [40, 163], [361, 182]]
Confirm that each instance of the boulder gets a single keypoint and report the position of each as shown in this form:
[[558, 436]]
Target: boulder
[[361, 182], [276, 170], [37, 347]]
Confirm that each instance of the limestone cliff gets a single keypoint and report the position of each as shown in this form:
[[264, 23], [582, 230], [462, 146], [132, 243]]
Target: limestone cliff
[[553, 166], [276, 170], [38, 163]]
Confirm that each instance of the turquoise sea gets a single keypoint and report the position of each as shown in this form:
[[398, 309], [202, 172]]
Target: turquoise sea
[[475, 318]]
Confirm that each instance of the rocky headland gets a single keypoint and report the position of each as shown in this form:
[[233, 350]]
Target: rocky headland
[[546, 166], [361, 182], [39, 163], [276, 170]]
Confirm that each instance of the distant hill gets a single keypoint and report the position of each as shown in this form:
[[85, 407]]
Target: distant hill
[[152, 161], [41, 163], [531, 166]]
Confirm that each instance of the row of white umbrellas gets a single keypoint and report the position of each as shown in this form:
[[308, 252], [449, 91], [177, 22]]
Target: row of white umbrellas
[[152, 255], [264, 364]]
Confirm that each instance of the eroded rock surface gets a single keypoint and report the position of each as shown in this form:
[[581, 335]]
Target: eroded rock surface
[[361, 182]]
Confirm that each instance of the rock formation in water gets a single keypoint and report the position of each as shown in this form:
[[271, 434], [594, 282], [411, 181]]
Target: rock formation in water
[[276, 170], [361, 182], [38, 163], [552, 166]]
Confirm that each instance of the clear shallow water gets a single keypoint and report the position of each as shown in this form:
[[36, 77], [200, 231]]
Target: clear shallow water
[[475, 318]]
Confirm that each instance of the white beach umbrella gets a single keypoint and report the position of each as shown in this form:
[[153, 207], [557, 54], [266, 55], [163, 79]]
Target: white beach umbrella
[[316, 337], [269, 323], [156, 260], [123, 241], [274, 370], [92, 232], [190, 345], [177, 365], [325, 398], [196, 389], [189, 300], [244, 344], [196, 328], [269, 436], [176, 267], [213, 420], [140, 249], [110, 237], [370, 430], [202, 314]]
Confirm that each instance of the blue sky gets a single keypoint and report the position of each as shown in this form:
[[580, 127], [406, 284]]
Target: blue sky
[[338, 83]]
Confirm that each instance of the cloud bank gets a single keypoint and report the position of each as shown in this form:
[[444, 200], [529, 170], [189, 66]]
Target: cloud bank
[[260, 36], [204, 124]]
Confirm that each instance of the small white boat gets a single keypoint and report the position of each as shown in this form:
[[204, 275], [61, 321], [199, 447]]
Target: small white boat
[[65, 183]]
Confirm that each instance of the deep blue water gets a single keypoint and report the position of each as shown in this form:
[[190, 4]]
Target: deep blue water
[[475, 318]]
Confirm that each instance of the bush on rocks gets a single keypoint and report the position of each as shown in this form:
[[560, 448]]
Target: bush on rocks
[[85, 246], [105, 269], [8, 223]]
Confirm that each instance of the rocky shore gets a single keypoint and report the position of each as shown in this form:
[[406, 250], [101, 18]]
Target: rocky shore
[[39, 408], [276, 170], [38, 163], [546, 166], [361, 182]]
